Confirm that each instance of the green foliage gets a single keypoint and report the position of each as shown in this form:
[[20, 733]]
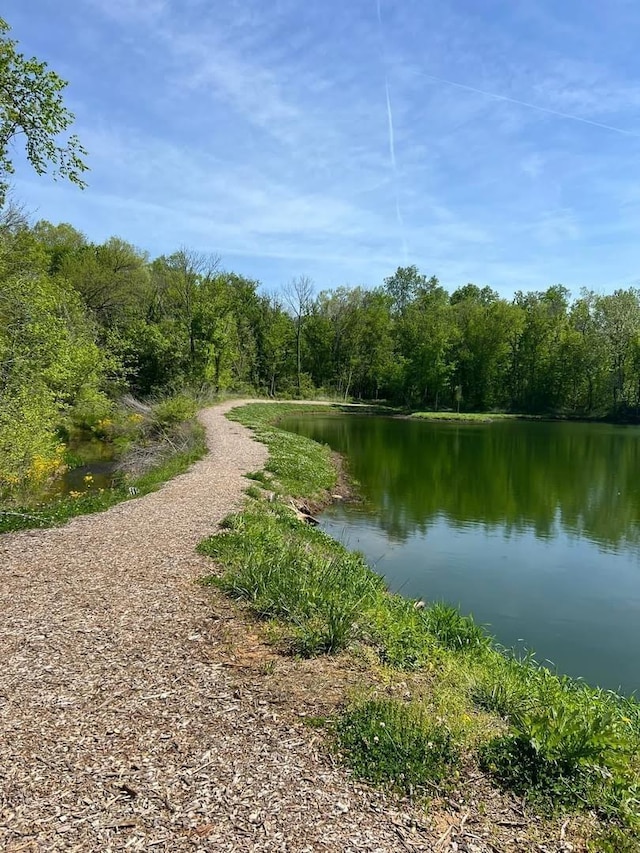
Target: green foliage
[[568, 744], [395, 743], [29, 448], [559, 743], [32, 107], [173, 410], [408, 636], [615, 839], [49, 365], [112, 278]]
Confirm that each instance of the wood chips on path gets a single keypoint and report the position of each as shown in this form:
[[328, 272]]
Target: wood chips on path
[[121, 727]]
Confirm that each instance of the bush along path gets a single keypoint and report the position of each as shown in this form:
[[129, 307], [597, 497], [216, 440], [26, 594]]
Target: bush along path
[[511, 755]]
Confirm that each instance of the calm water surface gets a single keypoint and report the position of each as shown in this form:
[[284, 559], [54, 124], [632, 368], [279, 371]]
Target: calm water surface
[[533, 527], [99, 461]]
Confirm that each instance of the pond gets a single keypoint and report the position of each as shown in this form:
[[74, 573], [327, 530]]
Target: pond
[[531, 526]]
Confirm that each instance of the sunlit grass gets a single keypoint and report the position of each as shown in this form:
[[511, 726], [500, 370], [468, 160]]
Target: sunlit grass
[[477, 417], [300, 467]]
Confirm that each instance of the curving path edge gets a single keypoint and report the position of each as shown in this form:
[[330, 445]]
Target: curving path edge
[[120, 728]]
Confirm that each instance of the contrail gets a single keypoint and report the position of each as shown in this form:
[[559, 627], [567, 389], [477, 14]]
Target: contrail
[[392, 144], [508, 100]]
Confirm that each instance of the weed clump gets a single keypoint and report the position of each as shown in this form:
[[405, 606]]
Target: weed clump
[[566, 749], [395, 743]]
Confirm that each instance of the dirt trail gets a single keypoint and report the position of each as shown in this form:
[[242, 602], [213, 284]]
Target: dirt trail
[[121, 726]]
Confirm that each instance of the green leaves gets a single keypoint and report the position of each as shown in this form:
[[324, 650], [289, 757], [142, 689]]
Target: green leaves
[[31, 105]]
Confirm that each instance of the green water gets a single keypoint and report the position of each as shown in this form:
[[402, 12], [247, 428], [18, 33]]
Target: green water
[[533, 527], [95, 463]]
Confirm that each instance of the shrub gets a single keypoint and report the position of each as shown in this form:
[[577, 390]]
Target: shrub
[[174, 410]]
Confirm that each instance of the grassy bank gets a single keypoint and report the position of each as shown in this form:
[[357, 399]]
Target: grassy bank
[[467, 706], [167, 442], [471, 417]]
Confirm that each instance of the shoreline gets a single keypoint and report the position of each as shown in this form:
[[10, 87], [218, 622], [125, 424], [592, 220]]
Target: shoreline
[[493, 669]]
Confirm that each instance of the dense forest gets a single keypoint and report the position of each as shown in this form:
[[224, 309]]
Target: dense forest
[[81, 324]]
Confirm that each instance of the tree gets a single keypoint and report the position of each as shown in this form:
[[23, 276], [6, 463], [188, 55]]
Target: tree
[[484, 321], [539, 371], [618, 319], [403, 287], [60, 241], [298, 295], [178, 282], [275, 342], [112, 277], [31, 106], [49, 365]]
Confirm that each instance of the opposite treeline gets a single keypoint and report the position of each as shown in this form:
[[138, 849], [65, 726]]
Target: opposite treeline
[[82, 323]]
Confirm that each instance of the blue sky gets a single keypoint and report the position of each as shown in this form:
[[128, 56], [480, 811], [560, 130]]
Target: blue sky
[[482, 140]]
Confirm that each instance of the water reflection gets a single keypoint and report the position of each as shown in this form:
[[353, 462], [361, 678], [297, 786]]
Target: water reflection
[[517, 476], [96, 469]]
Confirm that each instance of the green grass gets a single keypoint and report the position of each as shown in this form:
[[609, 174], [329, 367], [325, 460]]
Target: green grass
[[557, 742], [477, 417], [53, 513], [395, 743], [288, 570], [327, 596], [297, 465]]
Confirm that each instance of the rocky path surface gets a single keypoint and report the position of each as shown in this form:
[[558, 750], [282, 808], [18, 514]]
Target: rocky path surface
[[121, 728]]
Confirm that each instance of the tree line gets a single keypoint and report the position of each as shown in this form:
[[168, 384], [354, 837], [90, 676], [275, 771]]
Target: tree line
[[82, 323], [152, 326]]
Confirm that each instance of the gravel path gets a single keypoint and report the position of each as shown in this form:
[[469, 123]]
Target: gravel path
[[121, 727]]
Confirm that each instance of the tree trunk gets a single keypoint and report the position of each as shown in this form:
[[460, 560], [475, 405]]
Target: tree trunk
[[216, 381], [299, 356]]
